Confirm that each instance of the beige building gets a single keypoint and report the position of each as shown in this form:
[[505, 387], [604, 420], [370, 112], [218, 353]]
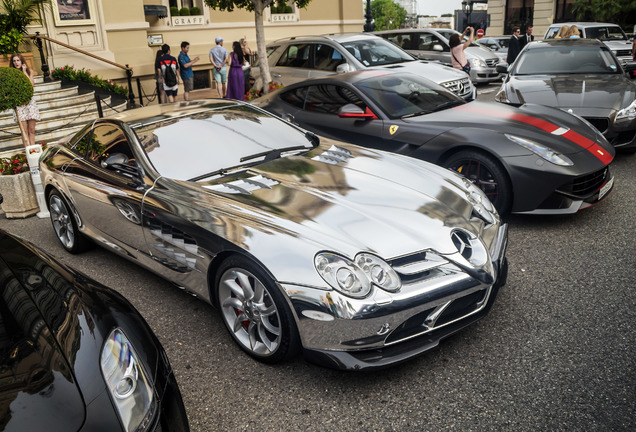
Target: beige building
[[505, 14], [129, 32]]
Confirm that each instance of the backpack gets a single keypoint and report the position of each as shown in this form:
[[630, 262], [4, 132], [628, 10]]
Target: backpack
[[169, 76]]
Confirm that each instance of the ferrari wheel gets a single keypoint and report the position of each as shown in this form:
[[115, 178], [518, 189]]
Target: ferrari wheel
[[486, 173], [255, 312], [64, 224]]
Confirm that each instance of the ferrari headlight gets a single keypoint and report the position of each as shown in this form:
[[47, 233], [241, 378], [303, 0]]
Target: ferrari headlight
[[378, 271], [130, 389], [542, 151], [501, 96], [628, 113]]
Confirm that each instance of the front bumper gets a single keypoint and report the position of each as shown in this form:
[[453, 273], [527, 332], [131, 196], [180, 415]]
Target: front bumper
[[484, 75], [385, 329]]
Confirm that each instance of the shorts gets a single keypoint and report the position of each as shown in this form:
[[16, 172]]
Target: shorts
[[188, 84], [171, 92], [220, 76]]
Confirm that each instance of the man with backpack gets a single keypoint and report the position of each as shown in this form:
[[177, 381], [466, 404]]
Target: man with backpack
[[169, 75]]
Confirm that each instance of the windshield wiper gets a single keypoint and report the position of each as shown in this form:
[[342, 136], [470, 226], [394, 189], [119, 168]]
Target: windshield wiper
[[415, 114], [272, 154], [447, 105]]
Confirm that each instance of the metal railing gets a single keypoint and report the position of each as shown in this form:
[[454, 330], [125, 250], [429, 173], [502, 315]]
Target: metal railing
[[45, 67]]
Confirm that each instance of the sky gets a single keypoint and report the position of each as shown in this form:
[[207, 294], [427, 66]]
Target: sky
[[438, 7]]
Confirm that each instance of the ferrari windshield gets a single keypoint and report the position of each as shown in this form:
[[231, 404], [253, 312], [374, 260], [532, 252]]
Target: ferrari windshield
[[407, 95], [376, 52], [214, 140], [569, 58]]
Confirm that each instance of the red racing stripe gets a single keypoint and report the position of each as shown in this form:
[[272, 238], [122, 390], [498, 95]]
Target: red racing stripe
[[546, 126]]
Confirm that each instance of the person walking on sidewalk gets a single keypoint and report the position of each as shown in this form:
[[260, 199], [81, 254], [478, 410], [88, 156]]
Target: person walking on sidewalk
[[169, 73]]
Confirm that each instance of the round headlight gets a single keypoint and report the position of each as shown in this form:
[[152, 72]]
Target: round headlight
[[379, 272], [342, 274]]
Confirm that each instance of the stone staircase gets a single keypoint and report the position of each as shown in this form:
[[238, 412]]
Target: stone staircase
[[63, 111]]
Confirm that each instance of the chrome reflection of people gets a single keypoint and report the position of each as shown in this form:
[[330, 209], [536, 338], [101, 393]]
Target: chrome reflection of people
[[28, 113]]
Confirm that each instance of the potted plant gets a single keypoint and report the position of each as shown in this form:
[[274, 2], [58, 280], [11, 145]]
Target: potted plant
[[16, 186], [15, 17]]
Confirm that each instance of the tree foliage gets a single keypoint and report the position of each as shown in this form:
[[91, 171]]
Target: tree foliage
[[258, 7], [621, 12], [388, 15], [18, 14], [15, 88]]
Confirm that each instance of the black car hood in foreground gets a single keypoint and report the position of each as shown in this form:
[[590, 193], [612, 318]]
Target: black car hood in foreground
[[37, 387], [562, 132], [605, 92]]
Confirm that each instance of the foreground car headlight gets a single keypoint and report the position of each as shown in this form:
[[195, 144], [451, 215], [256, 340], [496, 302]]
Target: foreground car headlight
[[355, 278], [628, 113], [501, 96], [542, 151], [131, 390]]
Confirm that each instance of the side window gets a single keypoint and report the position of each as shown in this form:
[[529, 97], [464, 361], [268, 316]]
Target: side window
[[552, 32], [295, 56], [107, 140], [403, 40], [295, 97], [425, 42], [326, 58], [328, 99], [437, 41]]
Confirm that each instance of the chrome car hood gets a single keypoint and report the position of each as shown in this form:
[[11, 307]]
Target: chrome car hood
[[349, 199], [605, 92], [480, 53]]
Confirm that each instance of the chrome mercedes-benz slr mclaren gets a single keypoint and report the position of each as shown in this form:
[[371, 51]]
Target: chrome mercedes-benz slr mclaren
[[358, 257]]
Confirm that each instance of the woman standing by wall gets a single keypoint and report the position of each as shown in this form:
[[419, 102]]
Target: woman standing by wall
[[28, 114], [247, 54]]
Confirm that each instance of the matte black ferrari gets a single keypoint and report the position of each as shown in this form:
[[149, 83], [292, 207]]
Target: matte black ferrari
[[531, 159], [75, 355]]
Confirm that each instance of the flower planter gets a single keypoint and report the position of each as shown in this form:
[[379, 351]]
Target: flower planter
[[19, 196]]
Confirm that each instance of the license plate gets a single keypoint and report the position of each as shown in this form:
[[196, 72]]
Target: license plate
[[606, 188]]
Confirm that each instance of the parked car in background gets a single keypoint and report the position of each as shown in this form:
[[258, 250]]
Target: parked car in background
[[358, 257], [75, 355], [497, 44], [522, 158], [433, 44], [610, 34], [580, 76], [298, 58]]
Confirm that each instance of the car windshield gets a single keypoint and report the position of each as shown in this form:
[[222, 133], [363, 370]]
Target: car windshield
[[605, 33], [376, 52], [406, 95], [566, 59], [214, 140]]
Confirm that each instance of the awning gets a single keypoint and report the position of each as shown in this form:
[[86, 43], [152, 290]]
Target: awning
[[156, 10]]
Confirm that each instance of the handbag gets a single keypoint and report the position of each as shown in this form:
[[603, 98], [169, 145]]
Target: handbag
[[246, 65], [466, 67]]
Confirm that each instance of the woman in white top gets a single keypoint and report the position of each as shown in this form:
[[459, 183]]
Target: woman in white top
[[458, 58]]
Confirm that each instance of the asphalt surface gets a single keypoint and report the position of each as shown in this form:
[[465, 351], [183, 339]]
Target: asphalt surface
[[556, 351]]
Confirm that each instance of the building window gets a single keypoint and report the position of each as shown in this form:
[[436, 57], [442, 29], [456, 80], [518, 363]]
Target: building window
[[563, 11], [283, 11], [519, 13], [180, 4]]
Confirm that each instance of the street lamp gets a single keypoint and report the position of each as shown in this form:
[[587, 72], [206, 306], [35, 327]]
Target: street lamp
[[467, 7], [368, 25]]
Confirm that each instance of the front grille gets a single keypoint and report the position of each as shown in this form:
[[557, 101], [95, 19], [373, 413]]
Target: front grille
[[623, 53], [492, 62], [600, 123], [432, 319], [586, 185], [460, 87]]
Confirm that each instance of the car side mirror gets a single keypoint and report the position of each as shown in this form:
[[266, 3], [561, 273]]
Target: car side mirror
[[501, 68], [343, 68], [354, 111], [629, 66], [119, 163], [438, 47], [494, 47]]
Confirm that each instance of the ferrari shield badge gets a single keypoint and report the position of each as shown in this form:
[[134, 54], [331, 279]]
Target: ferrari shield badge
[[393, 129]]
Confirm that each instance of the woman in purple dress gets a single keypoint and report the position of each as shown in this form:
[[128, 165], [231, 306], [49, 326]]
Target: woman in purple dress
[[236, 78]]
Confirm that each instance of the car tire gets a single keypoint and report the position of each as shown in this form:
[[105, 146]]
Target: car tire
[[64, 224], [486, 173], [255, 312]]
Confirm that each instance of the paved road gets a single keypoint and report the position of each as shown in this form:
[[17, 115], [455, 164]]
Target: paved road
[[556, 352]]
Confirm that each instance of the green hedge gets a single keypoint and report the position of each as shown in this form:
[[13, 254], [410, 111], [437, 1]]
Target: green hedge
[[184, 11], [69, 73], [15, 88]]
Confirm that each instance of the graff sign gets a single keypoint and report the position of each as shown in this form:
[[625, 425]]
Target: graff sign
[[188, 20]]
